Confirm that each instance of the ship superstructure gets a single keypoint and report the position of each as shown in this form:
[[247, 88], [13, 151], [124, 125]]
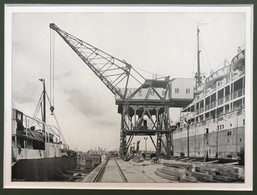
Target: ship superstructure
[[34, 141], [212, 126]]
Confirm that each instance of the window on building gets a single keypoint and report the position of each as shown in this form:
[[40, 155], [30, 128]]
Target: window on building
[[176, 90], [187, 90]]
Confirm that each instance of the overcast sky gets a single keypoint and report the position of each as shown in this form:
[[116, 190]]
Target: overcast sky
[[162, 43]]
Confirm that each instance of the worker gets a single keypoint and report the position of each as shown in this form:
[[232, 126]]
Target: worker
[[138, 141]]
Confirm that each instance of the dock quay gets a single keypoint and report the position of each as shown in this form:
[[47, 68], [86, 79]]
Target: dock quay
[[116, 170]]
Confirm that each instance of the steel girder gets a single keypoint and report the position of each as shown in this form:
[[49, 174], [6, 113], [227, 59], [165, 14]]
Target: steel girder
[[147, 120]]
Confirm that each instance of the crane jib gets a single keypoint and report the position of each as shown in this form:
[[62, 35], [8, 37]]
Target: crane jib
[[113, 72]]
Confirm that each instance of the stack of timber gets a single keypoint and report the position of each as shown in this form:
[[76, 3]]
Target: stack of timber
[[201, 172]]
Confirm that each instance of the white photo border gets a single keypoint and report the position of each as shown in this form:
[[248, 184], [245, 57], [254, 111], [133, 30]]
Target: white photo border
[[10, 9]]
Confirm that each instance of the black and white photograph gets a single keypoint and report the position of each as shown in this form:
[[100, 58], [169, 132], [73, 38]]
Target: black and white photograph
[[128, 97]]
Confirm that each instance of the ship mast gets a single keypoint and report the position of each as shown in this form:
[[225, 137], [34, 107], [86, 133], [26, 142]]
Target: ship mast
[[198, 76], [44, 102]]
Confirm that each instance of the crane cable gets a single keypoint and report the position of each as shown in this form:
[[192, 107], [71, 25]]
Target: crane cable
[[58, 124], [52, 57], [52, 69], [149, 72]]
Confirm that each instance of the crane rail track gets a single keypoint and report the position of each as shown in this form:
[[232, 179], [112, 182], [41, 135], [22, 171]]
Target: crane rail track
[[121, 172], [108, 171]]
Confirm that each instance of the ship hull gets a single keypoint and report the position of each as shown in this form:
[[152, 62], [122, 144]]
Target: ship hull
[[222, 138], [215, 145], [45, 169]]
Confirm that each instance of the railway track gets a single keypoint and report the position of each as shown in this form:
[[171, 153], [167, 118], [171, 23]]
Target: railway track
[[113, 170], [100, 171], [121, 172], [110, 172]]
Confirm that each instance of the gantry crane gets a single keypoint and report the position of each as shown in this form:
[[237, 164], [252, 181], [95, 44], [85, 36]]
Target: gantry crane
[[144, 110]]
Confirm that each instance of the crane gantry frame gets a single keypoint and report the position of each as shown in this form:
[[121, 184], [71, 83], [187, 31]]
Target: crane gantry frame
[[149, 102]]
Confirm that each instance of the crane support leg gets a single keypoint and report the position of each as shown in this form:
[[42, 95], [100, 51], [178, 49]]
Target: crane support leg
[[168, 145], [123, 145], [159, 143]]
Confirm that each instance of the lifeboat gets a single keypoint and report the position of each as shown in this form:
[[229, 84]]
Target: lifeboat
[[238, 62]]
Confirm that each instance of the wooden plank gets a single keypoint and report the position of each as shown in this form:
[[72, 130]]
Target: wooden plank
[[204, 176], [232, 163], [174, 169], [228, 171], [172, 173], [207, 169], [213, 161], [178, 165], [226, 179], [166, 176]]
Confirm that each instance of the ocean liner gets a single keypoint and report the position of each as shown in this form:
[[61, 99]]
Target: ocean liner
[[39, 151], [212, 126]]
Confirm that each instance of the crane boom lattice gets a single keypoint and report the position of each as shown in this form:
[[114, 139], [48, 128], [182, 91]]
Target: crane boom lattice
[[113, 72]]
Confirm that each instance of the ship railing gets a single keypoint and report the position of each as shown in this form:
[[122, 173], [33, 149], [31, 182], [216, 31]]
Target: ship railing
[[221, 101], [213, 104], [227, 98], [207, 107], [232, 96], [187, 114], [200, 110], [235, 75], [231, 77], [209, 90], [237, 93], [37, 124]]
